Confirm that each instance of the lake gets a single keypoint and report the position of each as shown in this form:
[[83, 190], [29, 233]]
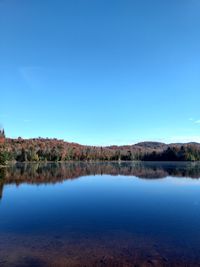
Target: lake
[[100, 214]]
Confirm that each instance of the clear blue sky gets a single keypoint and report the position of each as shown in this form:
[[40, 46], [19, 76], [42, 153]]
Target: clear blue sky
[[100, 72]]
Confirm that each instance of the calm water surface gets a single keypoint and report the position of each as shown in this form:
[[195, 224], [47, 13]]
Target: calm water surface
[[100, 214]]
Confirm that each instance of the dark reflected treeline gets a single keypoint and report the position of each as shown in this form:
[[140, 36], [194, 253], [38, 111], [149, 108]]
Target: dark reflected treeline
[[41, 173], [44, 149], [58, 172]]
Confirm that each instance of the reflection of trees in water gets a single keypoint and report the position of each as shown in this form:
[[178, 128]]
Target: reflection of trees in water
[[2, 180], [57, 172], [38, 173], [1, 190]]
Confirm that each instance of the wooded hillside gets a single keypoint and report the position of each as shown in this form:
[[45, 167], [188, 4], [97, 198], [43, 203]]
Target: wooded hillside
[[40, 149]]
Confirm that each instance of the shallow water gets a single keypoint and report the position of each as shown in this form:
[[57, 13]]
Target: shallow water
[[100, 214]]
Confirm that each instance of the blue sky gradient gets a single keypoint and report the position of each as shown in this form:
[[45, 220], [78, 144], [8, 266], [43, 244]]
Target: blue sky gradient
[[100, 72]]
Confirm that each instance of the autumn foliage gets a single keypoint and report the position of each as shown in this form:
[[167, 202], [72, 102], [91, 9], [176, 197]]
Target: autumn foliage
[[44, 149]]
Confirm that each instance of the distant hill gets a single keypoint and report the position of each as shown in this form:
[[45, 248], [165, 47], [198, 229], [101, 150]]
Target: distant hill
[[151, 145]]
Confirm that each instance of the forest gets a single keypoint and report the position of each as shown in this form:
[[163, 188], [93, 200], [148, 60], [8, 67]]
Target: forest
[[45, 149]]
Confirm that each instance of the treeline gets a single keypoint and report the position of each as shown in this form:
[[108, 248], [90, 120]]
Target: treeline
[[40, 149], [2, 150], [175, 153], [23, 150]]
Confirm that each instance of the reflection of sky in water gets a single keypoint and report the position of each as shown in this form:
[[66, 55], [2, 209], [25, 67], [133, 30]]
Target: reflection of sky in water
[[103, 202], [167, 209]]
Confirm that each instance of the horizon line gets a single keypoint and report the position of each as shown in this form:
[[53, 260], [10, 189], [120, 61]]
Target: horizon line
[[110, 145]]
